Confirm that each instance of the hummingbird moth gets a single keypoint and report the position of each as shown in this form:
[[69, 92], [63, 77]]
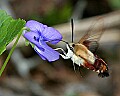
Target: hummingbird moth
[[83, 54]]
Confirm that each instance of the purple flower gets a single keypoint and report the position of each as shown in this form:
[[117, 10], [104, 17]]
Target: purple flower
[[38, 35]]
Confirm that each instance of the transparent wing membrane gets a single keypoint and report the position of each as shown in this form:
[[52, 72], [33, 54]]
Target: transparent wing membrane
[[91, 38]]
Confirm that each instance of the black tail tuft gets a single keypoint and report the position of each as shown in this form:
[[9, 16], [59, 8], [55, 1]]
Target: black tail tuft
[[103, 74]]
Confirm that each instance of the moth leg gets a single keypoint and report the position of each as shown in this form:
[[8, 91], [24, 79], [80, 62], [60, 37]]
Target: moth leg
[[74, 65], [64, 56], [61, 50], [79, 64], [80, 72]]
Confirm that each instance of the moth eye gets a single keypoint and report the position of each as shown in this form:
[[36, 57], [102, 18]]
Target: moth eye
[[73, 45]]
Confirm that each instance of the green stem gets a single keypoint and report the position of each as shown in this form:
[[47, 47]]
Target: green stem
[[11, 51]]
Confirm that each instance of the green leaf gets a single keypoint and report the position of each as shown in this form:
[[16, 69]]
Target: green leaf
[[9, 28]]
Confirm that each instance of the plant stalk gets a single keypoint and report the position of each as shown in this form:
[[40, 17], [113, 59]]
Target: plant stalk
[[11, 51]]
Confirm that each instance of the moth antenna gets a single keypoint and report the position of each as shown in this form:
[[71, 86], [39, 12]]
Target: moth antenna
[[72, 26]]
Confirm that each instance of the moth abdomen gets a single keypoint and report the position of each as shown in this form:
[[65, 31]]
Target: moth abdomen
[[101, 67]]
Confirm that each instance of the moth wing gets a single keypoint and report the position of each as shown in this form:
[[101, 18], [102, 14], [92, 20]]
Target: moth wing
[[93, 35]]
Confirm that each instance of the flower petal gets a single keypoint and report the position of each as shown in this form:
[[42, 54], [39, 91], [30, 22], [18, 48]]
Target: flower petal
[[48, 53], [37, 50], [33, 38], [35, 26], [38, 35], [52, 35]]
